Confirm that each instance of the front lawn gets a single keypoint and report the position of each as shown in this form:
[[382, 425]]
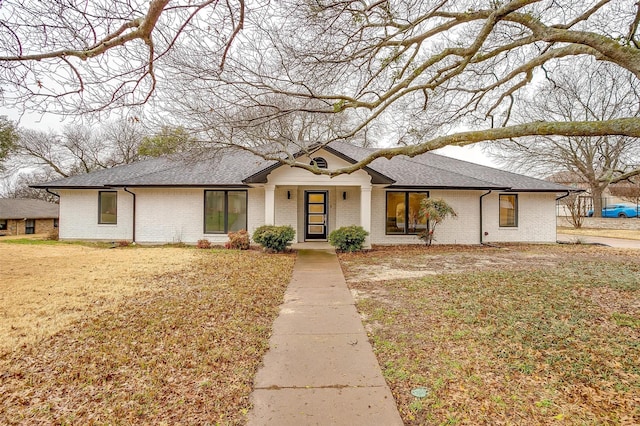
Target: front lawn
[[181, 347], [516, 335]]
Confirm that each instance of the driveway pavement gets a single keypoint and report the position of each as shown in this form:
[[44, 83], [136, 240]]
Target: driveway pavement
[[612, 242]]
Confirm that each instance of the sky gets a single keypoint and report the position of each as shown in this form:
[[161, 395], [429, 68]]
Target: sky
[[470, 153]]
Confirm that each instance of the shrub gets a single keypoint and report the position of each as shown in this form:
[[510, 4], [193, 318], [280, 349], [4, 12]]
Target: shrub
[[238, 240], [348, 238], [275, 238], [123, 243], [434, 211], [203, 244]]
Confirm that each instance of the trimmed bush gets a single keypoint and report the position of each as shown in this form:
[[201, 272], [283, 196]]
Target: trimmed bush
[[238, 240], [203, 244], [274, 238], [348, 238]]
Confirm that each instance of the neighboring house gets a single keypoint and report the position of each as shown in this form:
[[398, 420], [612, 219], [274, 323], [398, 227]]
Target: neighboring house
[[24, 216], [176, 200]]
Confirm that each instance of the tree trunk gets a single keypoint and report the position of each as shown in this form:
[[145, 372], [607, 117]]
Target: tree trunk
[[596, 193]]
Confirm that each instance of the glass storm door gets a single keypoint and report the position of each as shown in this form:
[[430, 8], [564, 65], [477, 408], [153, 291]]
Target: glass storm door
[[315, 215]]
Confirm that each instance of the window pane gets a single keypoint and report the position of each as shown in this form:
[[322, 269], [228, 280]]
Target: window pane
[[314, 218], [214, 211], [395, 213], [237, 210], [3, 224], [316, 208], [508, 210], [316, 198], [108, 202], [417, 222], [316, 229]]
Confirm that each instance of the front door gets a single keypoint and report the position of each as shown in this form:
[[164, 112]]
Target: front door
[[315, 203]]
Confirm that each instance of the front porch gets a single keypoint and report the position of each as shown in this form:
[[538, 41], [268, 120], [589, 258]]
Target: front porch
[[315, 211]]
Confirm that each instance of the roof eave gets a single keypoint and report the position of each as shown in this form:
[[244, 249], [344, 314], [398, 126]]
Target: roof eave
[[448, 187]]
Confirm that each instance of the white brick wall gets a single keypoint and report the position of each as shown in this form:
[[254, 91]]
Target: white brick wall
[[163, 215], [255, 209], [461, 230], [347, 211], [287, 208], [79, 217], [536, 219]]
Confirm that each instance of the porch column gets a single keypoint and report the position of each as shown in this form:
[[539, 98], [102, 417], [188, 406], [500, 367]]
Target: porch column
[[365, 212], [269, 204]]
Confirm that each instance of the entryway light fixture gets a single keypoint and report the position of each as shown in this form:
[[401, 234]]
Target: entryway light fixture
[[288, 195], [344, 195]]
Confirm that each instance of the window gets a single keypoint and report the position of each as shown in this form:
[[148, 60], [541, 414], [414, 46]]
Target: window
[[320, 162], [403, 220], [3, 224], [30, 226], [108, 207], [225, 211], [508, 210]]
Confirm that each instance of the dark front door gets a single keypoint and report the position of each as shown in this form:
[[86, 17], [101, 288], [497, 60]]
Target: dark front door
[[315, 203]]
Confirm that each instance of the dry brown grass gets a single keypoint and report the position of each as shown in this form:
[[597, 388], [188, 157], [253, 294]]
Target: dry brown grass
[[182, 348], [526, 335], [44, 288]]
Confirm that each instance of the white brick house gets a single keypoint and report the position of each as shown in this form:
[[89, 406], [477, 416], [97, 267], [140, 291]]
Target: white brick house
[[176, 200]]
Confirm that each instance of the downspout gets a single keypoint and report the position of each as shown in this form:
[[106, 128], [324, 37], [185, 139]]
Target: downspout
[[133, 239], [55, 195], [481, 227], [564, 196], [52, 193], [558, 199]]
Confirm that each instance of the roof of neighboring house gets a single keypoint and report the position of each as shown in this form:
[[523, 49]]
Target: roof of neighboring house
[[239, 168], [18, 208]]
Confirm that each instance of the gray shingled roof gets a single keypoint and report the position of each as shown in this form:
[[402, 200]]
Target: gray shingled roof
[[18, 208], [437, 171], [170, 171], [427, 170]]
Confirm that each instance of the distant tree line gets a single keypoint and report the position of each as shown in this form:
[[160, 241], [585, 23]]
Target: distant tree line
[[29, 156]]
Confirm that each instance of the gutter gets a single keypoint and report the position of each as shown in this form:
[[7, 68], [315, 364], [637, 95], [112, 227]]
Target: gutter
[[133, 239], [481, 227]]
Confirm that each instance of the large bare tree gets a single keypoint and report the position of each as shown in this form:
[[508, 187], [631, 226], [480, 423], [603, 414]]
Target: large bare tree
[[598, 92], [38, 155], [433, 72]]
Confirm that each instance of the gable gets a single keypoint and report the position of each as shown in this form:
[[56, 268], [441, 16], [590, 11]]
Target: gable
[[287, 175]]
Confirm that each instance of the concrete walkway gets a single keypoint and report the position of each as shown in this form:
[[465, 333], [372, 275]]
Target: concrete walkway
[[320, 368]]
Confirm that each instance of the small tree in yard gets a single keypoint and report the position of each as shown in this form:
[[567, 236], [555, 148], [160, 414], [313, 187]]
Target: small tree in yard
[[577, 206], [434, 211]]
